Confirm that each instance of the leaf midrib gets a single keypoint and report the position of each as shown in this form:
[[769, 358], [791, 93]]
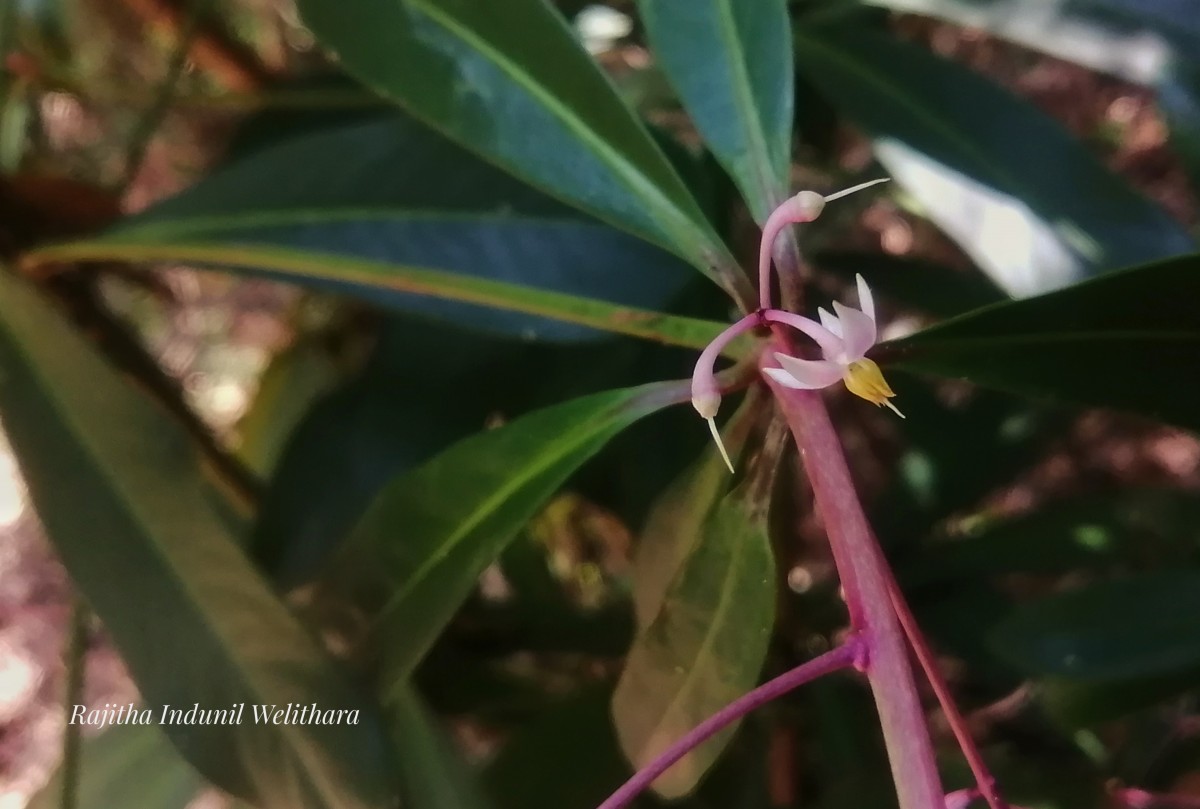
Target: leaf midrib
[[898, 92], [609, 419], [922, 345], [750, 113], [562, 306], [706, 644], [633, 179], [131, 511]]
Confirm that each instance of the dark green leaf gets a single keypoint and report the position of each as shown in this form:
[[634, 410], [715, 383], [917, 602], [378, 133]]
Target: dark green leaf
[[1152, 43], [434, 530], [1141, 626], [381, 424], [1156, 525], [546, 113], [288, 387], [387, 283], [122, 497], [731, 62], [704, 644], [923, 286], [432, 772], [565, 758], [388, 192], [955, 453], [1125, 340], [127, 765], [1026, 201], [1081, 704]]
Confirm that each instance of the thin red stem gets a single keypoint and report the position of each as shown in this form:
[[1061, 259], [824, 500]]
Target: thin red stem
[[958, 724], [864, 577], [849, 653]]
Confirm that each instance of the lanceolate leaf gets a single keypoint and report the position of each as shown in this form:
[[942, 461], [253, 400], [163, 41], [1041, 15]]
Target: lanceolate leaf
[[122, 497], [731, 62], [126, 765], [431, 532], [390, 190], [432, 774], [705, 644], [1142, 626], [1129, 340], [384, 283], [1030, 205], [546, 113], [1150, 43]]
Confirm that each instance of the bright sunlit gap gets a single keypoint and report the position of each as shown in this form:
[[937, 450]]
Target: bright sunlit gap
[[12, 488]]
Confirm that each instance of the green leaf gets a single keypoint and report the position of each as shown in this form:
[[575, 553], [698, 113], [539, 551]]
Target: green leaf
[[955, 453], [431, 532], [1091, 531], [526, 774], [1148, 43], [370, 278], [287, 388], [1024, 199], [547, 114], [1124, 340], [389, 190], [127, 765], [1141, 626], [704, 645], [122, 497], [731, 62], [1081, 704], [432, 772], [935, 289]]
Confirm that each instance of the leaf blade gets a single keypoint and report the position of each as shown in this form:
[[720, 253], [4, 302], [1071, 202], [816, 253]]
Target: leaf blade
[[354, 275], [1115, 341], [703, 646], [731, 64], [100, 460], [953, 140], [548, 115], [501, 477]]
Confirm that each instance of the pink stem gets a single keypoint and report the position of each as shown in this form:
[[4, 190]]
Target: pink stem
[[831, 345], [849, 653], [864, 579], [704, 379], [958, 724], [1141, 799], [789, 213]]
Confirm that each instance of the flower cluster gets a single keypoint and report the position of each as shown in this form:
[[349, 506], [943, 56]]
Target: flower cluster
[[844, 336]]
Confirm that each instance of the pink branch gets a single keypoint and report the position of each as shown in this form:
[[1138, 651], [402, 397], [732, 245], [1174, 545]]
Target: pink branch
[[958, 724], [864, 577], [845, 655]]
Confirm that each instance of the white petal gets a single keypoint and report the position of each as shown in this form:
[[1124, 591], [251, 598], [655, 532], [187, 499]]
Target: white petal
[[809, 374], [858, 331], [831, 345], [784, 378], [866, 302], [829, 321]]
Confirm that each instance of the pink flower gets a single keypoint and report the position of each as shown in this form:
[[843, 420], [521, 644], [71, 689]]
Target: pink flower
[[844, 337]]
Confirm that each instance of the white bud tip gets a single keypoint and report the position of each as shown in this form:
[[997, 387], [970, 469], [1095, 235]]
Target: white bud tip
[[808, 205], [895, 410], [706, 404], [712, 428]]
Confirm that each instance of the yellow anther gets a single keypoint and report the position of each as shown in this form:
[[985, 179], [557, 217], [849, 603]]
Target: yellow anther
[[863, 378]]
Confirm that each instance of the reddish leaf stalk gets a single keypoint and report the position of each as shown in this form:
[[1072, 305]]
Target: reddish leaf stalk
[[984, 779], [849, 653], [864, 578]]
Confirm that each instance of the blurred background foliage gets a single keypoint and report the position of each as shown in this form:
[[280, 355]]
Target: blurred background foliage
[[327, 386]]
